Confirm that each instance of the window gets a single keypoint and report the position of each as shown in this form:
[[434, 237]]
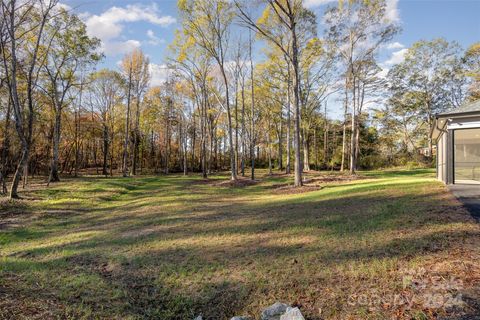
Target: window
[[467, 155]]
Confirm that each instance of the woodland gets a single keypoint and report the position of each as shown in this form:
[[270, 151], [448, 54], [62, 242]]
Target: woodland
[[221, 106]]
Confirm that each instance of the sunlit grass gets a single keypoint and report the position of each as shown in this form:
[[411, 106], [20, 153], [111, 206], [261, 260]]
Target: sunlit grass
[[172, 247]]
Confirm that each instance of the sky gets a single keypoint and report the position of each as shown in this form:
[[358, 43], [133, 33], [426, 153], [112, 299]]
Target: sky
[[123, 25]]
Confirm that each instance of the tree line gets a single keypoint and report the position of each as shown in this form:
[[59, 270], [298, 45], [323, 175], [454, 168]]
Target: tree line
[[250, 84]]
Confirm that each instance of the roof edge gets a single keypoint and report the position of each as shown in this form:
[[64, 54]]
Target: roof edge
[[460, 114]]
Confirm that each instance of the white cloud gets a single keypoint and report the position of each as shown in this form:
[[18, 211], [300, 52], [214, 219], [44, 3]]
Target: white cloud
[[153, 39], [158, 73], [397, 57], [84, 16], [64, 6], [317, 3], [395, 45], [119, 47], [392, 13], [108, 26]]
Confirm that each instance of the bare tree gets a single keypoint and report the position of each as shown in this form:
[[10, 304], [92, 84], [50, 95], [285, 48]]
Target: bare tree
[[127, 71], [70, 50], [104, 95], [18, 23], [288, 14], [193, 64], [135, 69], [356, 30], [208, 22], [252, 130]]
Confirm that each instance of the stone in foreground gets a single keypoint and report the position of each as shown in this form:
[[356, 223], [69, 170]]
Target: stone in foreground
[[241, 318], [292, 314], [275, 311]]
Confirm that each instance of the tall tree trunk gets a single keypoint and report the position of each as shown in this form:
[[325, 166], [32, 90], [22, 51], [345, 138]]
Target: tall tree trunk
[[112, 143], [56, 144], [203, 124], [353, 162], [296, 87], [280, 144], [289, 126], [306, 150], [25, 175], [194, 136], [360, 100], [19, 171], [225, 138], [344, 134], [334, 147], [183, 140], [167, 142], [76, 140], [127, 125], [236, 122], [357, 142], [105, 149], [325, 138], [136, 135], [230, 127], [252, 145], [210, 153], [243, 129], [5, 149], [269, 149], [315, 147]]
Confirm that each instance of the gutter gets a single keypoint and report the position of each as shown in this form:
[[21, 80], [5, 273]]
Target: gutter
[[457, 115]]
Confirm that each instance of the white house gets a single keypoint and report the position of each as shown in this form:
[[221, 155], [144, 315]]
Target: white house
[[457, 136]]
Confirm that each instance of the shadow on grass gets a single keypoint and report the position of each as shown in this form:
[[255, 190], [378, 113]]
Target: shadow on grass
[[167, 250]]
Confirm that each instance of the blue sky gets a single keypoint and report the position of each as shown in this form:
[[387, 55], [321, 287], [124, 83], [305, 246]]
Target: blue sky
[[150, 24]]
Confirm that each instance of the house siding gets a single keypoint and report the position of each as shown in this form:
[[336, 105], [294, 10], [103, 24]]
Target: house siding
[[442, 158]]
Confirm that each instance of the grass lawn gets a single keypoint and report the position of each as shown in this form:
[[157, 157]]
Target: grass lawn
[[391, 245]]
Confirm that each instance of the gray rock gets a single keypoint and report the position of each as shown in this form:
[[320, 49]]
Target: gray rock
[[241, 318], [274, 311], [292, 314], [198, 318]]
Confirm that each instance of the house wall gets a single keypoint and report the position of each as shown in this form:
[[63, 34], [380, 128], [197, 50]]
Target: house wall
[[445, 146], [442, 157]]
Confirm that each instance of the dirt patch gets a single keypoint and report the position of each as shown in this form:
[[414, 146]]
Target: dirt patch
[[311, 182], [333, 178], [239, 183], [290, 189], [314, 183]]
